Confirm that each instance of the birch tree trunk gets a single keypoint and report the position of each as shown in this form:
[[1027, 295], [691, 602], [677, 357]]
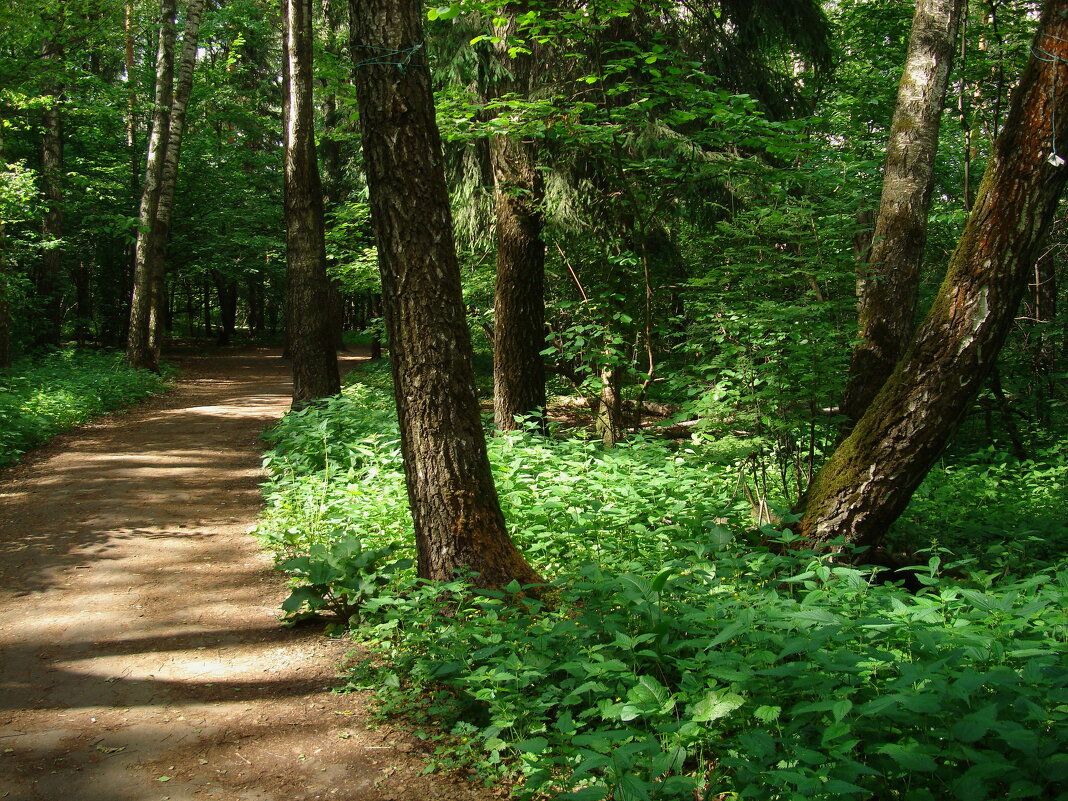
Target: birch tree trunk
[[887, 285], [139, 351], [869, 479], [458, 522], [169, 177]]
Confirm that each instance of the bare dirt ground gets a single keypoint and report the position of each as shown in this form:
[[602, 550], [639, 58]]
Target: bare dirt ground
[[141, 656]]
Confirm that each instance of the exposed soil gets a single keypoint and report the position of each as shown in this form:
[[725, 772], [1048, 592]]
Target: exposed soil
[[142, 655]]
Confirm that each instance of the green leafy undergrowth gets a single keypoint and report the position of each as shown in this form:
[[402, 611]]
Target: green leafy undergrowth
[[335, 471], [671, 657], [43, 396], [737, 672], [1006, 514]]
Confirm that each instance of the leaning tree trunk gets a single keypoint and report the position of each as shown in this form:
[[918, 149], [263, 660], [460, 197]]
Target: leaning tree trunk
[[458, 522], [139, 352], [887, 285], [519, 291], [161, 227], [309, 334], [869, 479]]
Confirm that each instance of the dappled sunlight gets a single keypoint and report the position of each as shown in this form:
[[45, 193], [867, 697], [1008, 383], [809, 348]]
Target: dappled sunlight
[[231, 410], [139, 622]]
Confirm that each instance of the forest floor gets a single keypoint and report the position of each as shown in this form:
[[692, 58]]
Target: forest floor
[[143, 657]]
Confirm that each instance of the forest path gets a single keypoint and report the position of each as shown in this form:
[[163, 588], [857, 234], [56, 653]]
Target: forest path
[[139, 631]]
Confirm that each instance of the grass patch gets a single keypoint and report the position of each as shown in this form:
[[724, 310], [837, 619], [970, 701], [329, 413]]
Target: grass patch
[[679, 657], [44, 396]]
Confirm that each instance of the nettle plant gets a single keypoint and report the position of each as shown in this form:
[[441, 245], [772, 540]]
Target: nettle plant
[[339, 578], [672, 656], [734, 676]]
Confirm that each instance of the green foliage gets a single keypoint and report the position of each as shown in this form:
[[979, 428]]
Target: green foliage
[[671, 656], [41, 397], [770, 677], [1004, 513], [339, 578]]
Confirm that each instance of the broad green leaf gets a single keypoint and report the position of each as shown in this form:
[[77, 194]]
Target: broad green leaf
[[717, 704], [631, 788], [909, 757], [535, 745]]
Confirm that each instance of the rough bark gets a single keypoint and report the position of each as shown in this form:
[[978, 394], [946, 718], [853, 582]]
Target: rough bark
[[309, 334], [869, 479], [139, 352], [49, 285], [458, 522], [887, 285], [519, 290]]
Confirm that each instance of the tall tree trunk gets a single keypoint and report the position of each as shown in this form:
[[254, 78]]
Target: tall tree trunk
[[139, 351], [308, 330], [160, 232], [49, 286], [458, 522], [131, 99], [869, 479], [519, 291], [330, 154], [888, 284]]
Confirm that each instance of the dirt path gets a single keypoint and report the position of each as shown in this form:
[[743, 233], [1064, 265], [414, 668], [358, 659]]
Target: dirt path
[[140, 652]]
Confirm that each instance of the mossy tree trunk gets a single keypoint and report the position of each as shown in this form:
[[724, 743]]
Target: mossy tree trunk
[[887, 284], [869, 479], [458, 522]]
